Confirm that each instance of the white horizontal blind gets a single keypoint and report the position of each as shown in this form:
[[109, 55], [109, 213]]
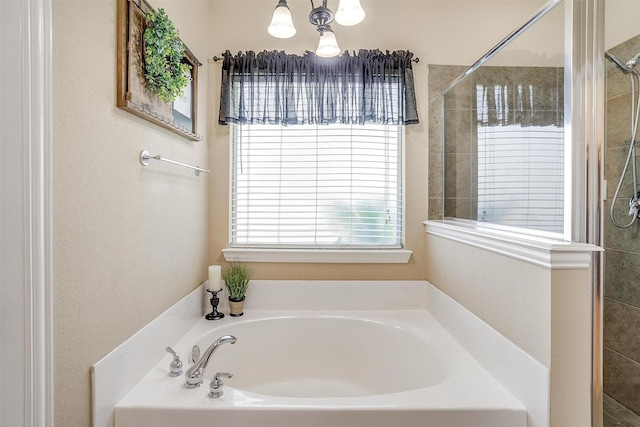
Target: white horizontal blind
[[317, 186], [521, 176]]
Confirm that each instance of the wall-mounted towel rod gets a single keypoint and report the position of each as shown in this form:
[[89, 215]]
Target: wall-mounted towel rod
[[145, 157]]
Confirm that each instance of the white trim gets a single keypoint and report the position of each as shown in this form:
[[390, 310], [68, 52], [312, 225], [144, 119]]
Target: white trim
[[37, 128], [544, 252], [37, 124], [29, 286], [339, 256]]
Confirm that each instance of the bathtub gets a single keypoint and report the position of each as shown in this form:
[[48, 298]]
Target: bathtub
[[320, 368]]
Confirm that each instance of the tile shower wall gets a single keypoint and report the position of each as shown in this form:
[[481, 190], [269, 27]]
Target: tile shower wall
[[459, 161], [453, 166], [622, 246]]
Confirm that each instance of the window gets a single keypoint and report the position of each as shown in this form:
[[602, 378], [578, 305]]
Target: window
[[317, 186], [521, 165], [521, 176]]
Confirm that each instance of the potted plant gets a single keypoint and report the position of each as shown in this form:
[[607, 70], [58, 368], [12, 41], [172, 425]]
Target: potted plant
[[236, 279]]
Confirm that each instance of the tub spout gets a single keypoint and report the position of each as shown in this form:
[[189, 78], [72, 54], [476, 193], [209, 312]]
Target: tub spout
[[194, 374]]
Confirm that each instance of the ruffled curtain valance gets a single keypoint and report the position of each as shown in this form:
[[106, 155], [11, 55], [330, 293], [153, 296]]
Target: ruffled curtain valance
[[526, 96], [279, 88]]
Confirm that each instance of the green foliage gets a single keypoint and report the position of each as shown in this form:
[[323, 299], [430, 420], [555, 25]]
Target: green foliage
[[165, 72], [236, 279], [370, 223]]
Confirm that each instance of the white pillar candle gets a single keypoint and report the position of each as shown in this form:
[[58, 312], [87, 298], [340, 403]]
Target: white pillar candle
[[214, 284]]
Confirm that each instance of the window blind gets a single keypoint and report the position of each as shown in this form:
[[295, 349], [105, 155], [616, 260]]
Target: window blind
[[521, 176], [315, 186]]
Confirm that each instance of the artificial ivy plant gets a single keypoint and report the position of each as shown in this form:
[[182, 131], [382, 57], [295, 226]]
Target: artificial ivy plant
[[165, 72]]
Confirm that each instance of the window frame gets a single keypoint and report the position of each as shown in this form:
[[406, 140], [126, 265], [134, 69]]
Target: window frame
[[320, 254]]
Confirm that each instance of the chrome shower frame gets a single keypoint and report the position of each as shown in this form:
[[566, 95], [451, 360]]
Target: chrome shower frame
[[584, 119]]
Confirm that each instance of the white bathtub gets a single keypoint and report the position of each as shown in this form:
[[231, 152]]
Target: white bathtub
[[316, 368]]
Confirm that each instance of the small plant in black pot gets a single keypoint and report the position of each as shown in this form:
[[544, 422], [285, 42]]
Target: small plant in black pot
[[236, 279]]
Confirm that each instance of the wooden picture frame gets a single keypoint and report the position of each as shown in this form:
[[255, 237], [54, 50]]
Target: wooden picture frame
[[179, 116]]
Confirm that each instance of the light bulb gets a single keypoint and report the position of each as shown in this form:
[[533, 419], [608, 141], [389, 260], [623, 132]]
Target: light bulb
[[349, 12], [281, 24], [328, 45]]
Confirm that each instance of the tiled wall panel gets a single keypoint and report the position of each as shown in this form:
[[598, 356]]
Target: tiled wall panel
[[622, 246]]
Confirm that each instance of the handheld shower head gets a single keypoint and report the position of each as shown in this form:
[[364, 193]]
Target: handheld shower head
[[633, 61], [618, 63], [627, 68]]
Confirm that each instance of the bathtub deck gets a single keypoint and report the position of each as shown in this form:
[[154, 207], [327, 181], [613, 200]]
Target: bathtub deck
[[468, 396]]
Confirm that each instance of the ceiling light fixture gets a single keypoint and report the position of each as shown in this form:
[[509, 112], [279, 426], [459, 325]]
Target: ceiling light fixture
[[281, 24], [328, 45], [349, 13]]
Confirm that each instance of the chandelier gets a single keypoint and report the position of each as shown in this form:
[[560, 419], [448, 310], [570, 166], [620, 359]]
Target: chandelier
[[349, 13]]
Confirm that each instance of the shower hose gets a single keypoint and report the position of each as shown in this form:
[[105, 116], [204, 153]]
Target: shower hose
[[634, 201]]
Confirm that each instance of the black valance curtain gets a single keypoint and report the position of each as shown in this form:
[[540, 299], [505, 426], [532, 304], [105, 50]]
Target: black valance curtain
[[527, 96], [279, 88]]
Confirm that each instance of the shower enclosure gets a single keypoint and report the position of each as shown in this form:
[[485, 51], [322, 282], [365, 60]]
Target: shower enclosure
[[504, 154], [458, 177], [621, 354]]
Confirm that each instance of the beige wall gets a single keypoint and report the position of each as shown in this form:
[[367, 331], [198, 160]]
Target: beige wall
[[621, 21], [510, 295], [128, 241], [470, 28], [570, 348], [547, 313]]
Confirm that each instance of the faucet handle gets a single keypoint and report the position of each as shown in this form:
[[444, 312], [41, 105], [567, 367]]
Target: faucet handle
[[175, 368], [215, 387], [194, 357], [223, 375]]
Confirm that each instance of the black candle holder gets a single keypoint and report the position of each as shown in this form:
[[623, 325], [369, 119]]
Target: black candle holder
[[214, 315]]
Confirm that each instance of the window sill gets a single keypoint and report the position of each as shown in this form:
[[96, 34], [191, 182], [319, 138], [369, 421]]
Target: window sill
[[550, 253], [332, 256]]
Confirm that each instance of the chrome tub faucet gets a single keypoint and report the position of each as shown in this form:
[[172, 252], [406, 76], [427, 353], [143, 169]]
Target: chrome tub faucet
[[215, 388], [175, 368], [194, 374]]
